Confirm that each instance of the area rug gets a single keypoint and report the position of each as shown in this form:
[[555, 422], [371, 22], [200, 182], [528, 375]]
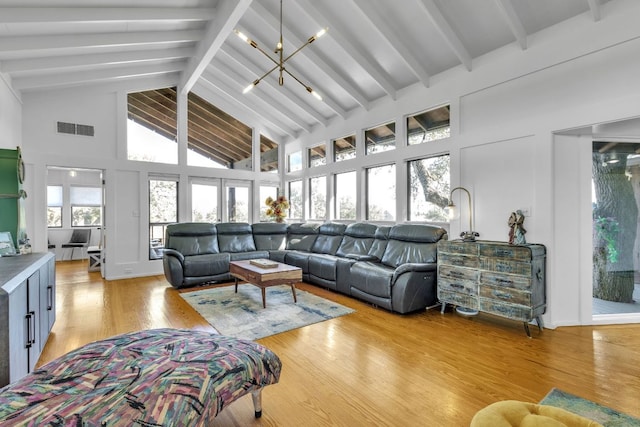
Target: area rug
[[241, 315], [605, 416]]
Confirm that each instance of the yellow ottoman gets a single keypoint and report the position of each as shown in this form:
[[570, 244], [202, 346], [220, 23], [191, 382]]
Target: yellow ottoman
[[510, 413]]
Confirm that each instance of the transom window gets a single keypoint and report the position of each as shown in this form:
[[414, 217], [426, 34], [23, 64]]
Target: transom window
[[344, 148], [381, 138], [428, 126], [317, 155]]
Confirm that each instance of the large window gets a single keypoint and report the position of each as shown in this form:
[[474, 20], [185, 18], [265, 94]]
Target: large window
[[381, 138], [381, 193], [317, 155], [346, 195], [86, 206], [344, 148], [152, 126], [238, 205], [295, 199], [204, 202], [265, 192], [54, 206], [428, 188], [428, 126], [163, 210], [318, 197]]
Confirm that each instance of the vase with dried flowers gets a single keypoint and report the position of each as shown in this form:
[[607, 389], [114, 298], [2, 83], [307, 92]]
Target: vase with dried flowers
[[277, 208]]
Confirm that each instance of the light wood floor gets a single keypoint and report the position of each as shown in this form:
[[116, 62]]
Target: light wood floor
[[373, 367]]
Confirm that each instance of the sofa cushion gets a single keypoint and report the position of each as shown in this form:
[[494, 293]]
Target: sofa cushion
[[380, 241], [206, 265], [328, 239], [372, 278], [192, 238], [323, 266], [300, 237], [298, 259], [235, 237], [412, 243], [269, 236], [357, 240]]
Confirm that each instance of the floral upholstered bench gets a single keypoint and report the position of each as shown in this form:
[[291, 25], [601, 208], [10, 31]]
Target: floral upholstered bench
[[150, 378]]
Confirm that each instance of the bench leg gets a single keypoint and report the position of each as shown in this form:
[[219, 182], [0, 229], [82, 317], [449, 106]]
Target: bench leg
[[256, 395]]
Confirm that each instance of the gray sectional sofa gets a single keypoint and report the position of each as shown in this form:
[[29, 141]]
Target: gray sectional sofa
[[392, 267]]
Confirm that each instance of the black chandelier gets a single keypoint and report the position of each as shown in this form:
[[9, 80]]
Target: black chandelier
[[281, 59]]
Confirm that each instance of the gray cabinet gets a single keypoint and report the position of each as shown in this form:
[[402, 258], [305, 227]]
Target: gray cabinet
[[27, 312], [493, 277]]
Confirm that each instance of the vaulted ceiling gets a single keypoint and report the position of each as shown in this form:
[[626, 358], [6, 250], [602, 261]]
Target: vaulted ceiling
[[373, 49]]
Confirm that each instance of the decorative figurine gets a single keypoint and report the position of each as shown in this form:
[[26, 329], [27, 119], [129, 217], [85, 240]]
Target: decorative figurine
[[516, 228]]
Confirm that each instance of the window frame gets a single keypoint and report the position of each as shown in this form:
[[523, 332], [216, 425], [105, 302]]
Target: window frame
[[74, 206]]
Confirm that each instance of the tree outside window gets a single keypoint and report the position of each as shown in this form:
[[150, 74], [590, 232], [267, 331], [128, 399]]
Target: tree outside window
[[429, 188], [381, 193], [86, 206], [295, 199], [318, 197], [163, 210]]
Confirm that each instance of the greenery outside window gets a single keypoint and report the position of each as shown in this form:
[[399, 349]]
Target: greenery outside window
[[163, 210], [429, 181], [381, 138], [317, 155], [54, 206], [294, 161], [344, 148], [204, 202], [295, 199], [381, 193], [346, 195], [86, 206], [318, 197], [428, 126]]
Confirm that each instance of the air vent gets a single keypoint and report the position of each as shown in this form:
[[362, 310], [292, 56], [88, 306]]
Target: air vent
[[75, 129]]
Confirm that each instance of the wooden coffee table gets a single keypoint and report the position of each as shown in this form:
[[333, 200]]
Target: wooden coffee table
[[282, 274]]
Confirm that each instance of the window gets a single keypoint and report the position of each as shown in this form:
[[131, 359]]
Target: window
[[54, 206], [317, 155], [344, 148], [381, 138], [294, 161], [151, 128], [204, 202], [428, 188], [266, 191], [295, 199], [238, 206], [86, 206], [268, 155], [163, 210], [346, 193], [428, 126], [381, 193], [216, 139], [318, 197]]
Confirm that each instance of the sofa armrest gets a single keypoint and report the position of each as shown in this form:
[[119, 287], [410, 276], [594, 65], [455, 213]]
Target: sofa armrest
[[362, 257], [411, 267], [174, 253]]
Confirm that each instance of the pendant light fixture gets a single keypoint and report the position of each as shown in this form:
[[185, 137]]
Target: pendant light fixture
[[281, 59]]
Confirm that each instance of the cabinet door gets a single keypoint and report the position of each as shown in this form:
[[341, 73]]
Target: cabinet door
[[33, 318], [18, 333]]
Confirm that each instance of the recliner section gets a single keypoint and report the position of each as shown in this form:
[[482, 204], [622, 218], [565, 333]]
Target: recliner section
[[392, 267]]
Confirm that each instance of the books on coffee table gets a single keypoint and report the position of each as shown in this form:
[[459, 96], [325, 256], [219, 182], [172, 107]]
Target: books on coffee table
[[263, 263]]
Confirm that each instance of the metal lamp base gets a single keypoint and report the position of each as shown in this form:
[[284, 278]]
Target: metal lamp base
[[469, 236]]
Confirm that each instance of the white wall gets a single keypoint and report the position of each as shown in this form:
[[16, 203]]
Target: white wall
[[10, 115]]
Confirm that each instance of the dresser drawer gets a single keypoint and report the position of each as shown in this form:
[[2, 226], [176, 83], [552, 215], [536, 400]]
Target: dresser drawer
[[509, 295], [459, 260], [504, 309], [455, 298], [505, 280], [462, 286], [452, 272], [457, 247], [512, 252], [505, 266]]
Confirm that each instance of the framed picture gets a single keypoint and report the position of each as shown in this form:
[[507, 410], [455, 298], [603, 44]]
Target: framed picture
[[6, 244]]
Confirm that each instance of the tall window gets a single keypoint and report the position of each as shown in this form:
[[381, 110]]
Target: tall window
[[317, 155], [381, 193], [318, 197], [428, 126], [163, 210], [428, 188], [86, 206], [294, 161], [151, 128], [295, 199], [346, 191], [266, 191], [204, 202], [54, 206], [381, 138], [238, 206], [344, 148]]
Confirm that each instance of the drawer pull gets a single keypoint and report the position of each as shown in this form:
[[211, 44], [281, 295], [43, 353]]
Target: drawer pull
[[504, 281], [456, 274], [457, 286], [503, 295], [503, 252]]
